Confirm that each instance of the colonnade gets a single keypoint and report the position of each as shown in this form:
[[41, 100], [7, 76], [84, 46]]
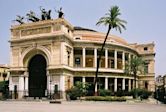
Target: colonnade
[[106, 58], [125, 81]]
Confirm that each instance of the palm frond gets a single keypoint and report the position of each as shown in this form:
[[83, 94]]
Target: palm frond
[[111, 19]]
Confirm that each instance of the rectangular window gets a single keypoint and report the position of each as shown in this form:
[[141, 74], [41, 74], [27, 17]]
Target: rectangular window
[[111, 59], [77, 62], [89, 61], [119, 60], [102, 62], [112, 63]]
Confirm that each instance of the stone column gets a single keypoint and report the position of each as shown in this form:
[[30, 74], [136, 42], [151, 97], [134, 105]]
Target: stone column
[[26, 85], [106, 83], [115, 59], [21, 87], [106, 58], [123, 84], [129, 58], [129, 85], [11, 86], [133, 83], [115, 85], [136, 83], [62, 86], [83, 54], [83, 80], [123, 60], [48, 83], [61, 53], [95, 57]]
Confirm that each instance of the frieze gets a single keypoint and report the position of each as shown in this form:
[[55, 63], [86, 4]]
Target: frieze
[[100, 74], [15, 79], [36, 31], [16, 33], [56, 27]]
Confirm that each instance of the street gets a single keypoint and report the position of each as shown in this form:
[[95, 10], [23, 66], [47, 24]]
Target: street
[[78, 106]]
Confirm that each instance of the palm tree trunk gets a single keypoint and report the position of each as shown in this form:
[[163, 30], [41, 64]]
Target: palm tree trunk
[[135, 83], [135, 75], [98, 62], [135, 87]]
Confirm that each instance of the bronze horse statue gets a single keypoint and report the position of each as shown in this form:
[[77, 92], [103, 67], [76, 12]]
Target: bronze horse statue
[[19, 19], [32, 17]]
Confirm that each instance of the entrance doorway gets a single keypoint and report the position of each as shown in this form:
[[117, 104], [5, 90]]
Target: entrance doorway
[[37, 76]]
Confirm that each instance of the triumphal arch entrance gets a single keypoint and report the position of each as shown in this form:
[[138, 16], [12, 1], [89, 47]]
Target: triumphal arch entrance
[[39, 54]]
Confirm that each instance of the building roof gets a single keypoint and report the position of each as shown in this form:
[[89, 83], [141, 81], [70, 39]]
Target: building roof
[[92, 35], [4, 66], [83, 29]]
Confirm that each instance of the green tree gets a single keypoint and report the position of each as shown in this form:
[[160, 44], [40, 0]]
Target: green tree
[[113, 21], [134, 67]]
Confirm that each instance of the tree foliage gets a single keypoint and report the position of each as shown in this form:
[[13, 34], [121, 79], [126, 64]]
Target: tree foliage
[[112, 20], [77, 91], [135, 66]]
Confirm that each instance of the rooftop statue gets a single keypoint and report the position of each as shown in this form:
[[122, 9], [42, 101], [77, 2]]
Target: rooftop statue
[[60, 13], [19, 19], [45, 15], [32, 17]]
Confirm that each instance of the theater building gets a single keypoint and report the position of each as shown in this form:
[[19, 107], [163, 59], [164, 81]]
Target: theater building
[[51, 55]]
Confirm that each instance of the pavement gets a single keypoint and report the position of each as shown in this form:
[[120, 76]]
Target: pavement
[[79, 106]]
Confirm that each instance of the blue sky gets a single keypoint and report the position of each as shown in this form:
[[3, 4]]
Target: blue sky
[[146, 21]]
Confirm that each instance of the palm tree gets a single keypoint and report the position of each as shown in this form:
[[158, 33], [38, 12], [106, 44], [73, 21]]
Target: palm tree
[[135, 66], [113, 22]]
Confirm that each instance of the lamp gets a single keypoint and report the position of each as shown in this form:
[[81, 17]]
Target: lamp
[[4, 75]]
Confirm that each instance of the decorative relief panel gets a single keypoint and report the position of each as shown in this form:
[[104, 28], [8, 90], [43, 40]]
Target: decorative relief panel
[[56, 27], [16, 33], [15, 79], [36, 31], [47, 47], [23, 49], [55, 79]]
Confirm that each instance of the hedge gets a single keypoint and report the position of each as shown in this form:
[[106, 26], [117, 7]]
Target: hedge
[[106, 98]]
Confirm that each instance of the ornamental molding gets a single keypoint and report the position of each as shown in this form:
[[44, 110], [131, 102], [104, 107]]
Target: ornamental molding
[[35, 31]]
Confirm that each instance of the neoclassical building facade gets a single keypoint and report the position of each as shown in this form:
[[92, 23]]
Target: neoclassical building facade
[[51, 55]]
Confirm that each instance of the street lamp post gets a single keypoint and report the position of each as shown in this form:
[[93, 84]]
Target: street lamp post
[[4, 76]]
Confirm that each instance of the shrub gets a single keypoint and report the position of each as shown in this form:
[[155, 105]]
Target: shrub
[[107, 98], [103, 92], [73, 93], [143, 94], [122, 93], [77, 91]]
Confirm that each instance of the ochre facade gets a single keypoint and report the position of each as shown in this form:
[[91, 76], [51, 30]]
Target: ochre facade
[[71, 55]]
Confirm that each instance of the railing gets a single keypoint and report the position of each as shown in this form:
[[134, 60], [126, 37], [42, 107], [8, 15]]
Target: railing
[[15, 95]]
